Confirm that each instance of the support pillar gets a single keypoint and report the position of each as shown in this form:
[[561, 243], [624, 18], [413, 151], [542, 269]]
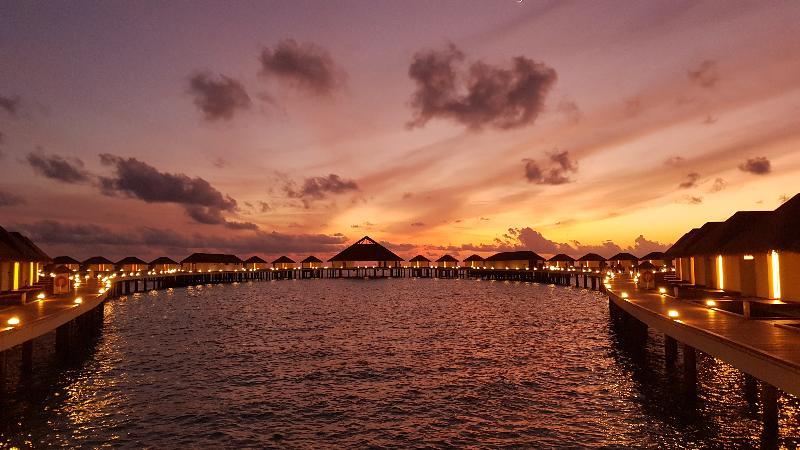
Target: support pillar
[[3, 358], [769, 397], [670, 351], [690, 368], [27, 357], [750, 389], [62, 339]]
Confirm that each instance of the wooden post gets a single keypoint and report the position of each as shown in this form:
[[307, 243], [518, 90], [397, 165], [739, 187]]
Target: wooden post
[[769, 397], [690, 368], [746, 309], [670, 351], [750, 388]]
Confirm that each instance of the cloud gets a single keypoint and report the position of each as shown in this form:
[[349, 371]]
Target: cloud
[[719, 185], [554, 171], [220, 98], [264, 207], [690, 182], [693, 200], [136, 179], [633, 107], [705, 75], [758, 165], [10, 104], [478, 96], [9, 199], [674, 161], [58, 168], [417, 224], [304, 66], [318, 188], [570, 110]]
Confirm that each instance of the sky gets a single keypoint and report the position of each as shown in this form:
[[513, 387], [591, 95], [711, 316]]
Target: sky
[[297, 127]]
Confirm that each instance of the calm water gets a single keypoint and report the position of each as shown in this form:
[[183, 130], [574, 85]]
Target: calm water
[[396, 363]]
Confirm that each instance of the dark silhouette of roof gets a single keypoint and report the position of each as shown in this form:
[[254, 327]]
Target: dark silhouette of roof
[[447, 258], [624, 256], [678, 246], [474, 258], [716, 237], [366, 249], [254, 260], [647, 265], [523, 255], [130, 260], [30, 248], [311, 259], [688, 246], [419, 258], [591, 257], [561, 257], [15, 246], [653, 255], [162, 260], [65, 260], [779, 230], [214, 258], [283, 260], [97, 260]]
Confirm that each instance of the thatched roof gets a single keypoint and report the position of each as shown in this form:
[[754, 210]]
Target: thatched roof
[[254, 260], [716, 237], [29, 247], [212, 258], [688, 246], [419, 258], [97, 260], [447, 258], [130, 260], [283, 260], [524, 255], [623, 256], [653, 255], [311, 259], [678, 246], [15, 246], [779, 230], [366, 249], [162, 260], [561, 257], [65, 260], [591, 257], [647, 265], [474, 258]]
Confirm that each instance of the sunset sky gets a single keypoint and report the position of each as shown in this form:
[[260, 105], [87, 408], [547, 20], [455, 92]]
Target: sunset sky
[[147, 128]]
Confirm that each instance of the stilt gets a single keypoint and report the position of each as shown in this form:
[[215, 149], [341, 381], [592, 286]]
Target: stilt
[[690, 368], [27, 357], [3, 358], [769, 397], [750, 389], [62, 339], [670, 351]]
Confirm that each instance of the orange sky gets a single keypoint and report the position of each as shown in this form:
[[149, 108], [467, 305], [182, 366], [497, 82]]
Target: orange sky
[[664, 115]]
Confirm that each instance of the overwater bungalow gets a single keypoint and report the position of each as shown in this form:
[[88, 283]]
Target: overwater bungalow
[[561, 261], [312, 262], [70, 263], [657, 259], [591, 261], [20, 261], [474, 261], [689, 268], [211, 262], [132, 264], [283, 263], [97, 264], [164, 265], [255, 263], [419, 261], [524, 259], [446, 261], [623, 261], [365, 253]]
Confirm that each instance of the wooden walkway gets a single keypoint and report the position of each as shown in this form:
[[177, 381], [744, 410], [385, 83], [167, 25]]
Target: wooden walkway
[[760, 348]]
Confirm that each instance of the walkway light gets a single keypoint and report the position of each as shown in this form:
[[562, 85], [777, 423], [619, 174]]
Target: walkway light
[[78, 301], [711, 303], [40, 296], [672, 313], [13, 321], [662, 291], [624, 295]]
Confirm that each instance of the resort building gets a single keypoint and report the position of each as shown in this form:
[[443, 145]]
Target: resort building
[[623, 261], [365, 253], [474, 261], [98, 264], [132, 264], [164, 265], [657, 259], [283, 263], [211, 262], [447, 261], [70, 263], [20, 261], [419, 261], [524, 259], [312, 262], [255, 263], [591, 261], [561, 261]]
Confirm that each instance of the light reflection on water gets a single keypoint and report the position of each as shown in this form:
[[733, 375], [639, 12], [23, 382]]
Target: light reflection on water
[[382, 362]]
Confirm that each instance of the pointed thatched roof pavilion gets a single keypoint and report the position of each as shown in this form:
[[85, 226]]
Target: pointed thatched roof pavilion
[[446, 261], [164, 264], [204, 262], [255, 263], [163, 260], [474, 261], [311, 262], [523, 259], [284, 262], [420, 261], [20, 261], [366, 252], [562, 260]]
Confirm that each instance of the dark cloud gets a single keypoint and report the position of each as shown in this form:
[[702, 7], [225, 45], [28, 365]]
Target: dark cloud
[[9, 199], [693, 200], [302, 65], [690, 181], [570, 110], [758, 165], [318, 188], [482, 95], [417, 224], [10, 104], [709, 120], [674, 161], [218, 98], [58, 168], [719, 185], [264, 207], [705, 75], [136, 179], [407, 195], [81, 240], [556, 170]]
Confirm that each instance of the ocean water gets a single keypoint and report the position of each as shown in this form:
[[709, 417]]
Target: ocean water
[[388, 363]]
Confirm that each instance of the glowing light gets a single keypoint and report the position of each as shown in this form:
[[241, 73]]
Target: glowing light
[[720, 273], [40, 296], [776, 275], [672, 313], [749, 257], [711, 303], [662, 291], [78, 301], [624, 295], [13, 321]]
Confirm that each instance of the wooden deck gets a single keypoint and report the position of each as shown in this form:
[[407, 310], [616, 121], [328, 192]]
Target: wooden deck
[[761, 348]]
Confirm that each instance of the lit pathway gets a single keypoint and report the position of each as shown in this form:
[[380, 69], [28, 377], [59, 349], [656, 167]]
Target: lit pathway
[[757, 347]]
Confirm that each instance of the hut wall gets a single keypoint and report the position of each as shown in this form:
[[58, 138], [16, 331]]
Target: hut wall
[[699, 271], [6, 275], [445, 264], [256, 266], [563, 264], [790, 275], [311, 265], [354, 264], [420, 264], [590, 264], [161, 268], [100, 267], [284, 266], [762, 275], [134, 267], [731, 269], [476, 264], [510, 264]]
